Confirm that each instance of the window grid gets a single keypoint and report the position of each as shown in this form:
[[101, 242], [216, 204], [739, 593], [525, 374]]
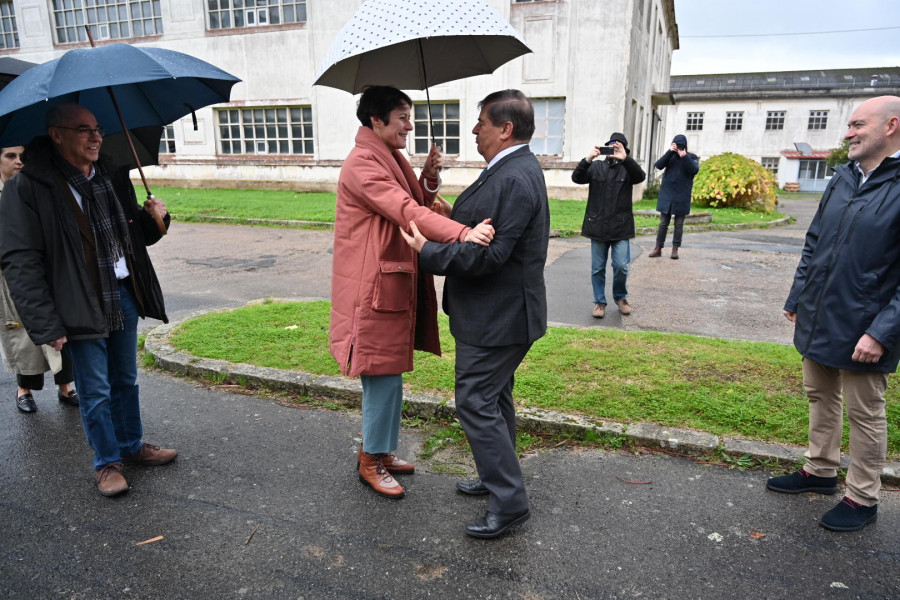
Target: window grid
[[818, 119], [445, 117], [734, 121], [770, 163], [549, 126], [109, 19], [775, 120], [167, 140], [9, 33], [269, 130], [227, 14], [694, 121]]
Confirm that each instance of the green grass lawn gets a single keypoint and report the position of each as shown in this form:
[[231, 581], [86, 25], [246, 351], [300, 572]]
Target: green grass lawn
[[193, 204], [746, 389]]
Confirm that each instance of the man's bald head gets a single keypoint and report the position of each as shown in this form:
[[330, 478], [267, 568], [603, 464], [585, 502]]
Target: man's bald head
[[874, 131]]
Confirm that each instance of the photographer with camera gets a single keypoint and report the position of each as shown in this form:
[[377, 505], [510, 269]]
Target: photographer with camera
[[675, 192], [608, 218]]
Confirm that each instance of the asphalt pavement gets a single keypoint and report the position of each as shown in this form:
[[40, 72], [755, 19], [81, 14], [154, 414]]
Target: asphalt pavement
[[263, 501]]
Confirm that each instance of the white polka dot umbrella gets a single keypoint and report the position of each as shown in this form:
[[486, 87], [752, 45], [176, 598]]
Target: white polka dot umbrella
[[412, 44]]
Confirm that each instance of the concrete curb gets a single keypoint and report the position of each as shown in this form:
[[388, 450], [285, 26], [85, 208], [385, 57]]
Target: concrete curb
[[553, 232], [536, 421]]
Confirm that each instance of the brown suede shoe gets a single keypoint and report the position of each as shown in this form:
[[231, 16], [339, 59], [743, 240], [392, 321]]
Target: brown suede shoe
[[110, 481], [624, 307], [599, 311], [151, 456], [373, 474]]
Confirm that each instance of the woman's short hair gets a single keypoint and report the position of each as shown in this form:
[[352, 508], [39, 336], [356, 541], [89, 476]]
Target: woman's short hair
[[512, 106], [378, 101]]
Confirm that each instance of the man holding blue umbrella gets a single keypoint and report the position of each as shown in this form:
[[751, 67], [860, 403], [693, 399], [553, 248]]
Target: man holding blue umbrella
[[73, 247]]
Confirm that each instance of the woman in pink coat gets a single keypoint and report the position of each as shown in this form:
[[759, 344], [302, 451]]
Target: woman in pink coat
[[382, 307]]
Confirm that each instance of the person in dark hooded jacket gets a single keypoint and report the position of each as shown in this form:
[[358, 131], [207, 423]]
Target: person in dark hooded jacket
[[675, 192], [73, 248], [609, 218], [845, 307]]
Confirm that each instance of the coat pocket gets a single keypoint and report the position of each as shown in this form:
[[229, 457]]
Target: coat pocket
[[394, 286]]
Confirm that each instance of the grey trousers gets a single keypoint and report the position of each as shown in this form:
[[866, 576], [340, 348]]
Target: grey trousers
[[484, 405]]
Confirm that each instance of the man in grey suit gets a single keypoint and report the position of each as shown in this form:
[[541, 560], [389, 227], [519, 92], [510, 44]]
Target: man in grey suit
[[496, 299]]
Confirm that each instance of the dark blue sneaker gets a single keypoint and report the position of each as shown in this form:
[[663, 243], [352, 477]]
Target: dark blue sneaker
[[801, 481], [849, 516]]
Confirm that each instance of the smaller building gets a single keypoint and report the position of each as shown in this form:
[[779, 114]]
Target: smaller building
[[789, 121]]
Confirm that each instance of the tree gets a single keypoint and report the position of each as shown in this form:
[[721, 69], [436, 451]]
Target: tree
[[732, 180], [838, 155]]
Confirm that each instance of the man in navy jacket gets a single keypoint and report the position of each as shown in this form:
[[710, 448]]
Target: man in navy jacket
[[845, 306], [496, 299]]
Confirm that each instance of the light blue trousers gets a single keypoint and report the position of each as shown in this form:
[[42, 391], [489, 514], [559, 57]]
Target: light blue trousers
[[382, 409]]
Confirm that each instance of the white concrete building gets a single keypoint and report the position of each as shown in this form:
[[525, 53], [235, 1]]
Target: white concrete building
[[788, 121], [597, 67]]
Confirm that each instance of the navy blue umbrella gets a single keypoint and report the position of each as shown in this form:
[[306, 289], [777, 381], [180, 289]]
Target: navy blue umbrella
[[153, 86]]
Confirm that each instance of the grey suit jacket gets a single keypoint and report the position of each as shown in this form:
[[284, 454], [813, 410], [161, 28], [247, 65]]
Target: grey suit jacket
[[495, 295]]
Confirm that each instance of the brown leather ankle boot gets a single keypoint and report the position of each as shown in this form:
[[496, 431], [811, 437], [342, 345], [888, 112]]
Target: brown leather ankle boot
[[393, 465], [373, 474], [656, 252], [674, 253]]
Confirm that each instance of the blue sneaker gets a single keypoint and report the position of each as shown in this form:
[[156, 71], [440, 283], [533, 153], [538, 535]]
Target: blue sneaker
[[849, 515], [801, 481]]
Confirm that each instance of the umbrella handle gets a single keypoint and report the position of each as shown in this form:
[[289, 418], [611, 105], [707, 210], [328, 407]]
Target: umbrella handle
[[160, 224], [154, 212]]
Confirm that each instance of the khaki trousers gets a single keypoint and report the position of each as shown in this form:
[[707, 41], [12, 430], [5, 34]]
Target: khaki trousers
[[863, 391]]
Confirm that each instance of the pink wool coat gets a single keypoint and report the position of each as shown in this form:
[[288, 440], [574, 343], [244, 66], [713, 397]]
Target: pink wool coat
[[376, 286]]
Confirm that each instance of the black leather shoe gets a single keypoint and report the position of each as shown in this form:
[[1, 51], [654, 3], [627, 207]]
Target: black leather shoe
[[491, 525], [472, 487], [25, 403], [71, 398]]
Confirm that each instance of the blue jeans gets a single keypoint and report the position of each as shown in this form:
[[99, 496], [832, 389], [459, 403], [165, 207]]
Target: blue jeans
[[621, 256], [106, 377], [382, 408]]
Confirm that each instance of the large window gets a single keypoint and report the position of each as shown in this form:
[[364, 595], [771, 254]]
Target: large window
[[445, 118], [818, 119], [225, 14], [734, 121], [109, 19], [775, 120], [770, 163], [549, 120], [269, 130], [694, 121], [9, 34]]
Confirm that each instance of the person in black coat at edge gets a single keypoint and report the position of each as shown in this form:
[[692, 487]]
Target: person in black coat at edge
[[675, 192], [609, 217], [73, 248]]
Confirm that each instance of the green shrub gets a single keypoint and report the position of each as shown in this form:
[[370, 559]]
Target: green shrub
[[651, 190], [734, 181]]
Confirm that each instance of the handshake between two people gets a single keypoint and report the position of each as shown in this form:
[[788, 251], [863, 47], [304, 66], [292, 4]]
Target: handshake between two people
[[481, 234]]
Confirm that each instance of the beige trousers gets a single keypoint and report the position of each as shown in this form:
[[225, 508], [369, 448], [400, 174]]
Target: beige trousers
[[863, 392]]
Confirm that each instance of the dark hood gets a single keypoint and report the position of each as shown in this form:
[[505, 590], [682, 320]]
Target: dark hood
[[680, 139]]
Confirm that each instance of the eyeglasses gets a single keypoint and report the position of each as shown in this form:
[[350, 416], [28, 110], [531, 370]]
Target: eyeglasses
[[84, 131]]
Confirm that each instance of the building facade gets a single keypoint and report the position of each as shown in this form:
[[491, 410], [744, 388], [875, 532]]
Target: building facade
[[788, 121], [596, 68]]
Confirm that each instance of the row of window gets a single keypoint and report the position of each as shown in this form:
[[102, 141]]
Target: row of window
[[117, 19], [289, 129], [734, 120]]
